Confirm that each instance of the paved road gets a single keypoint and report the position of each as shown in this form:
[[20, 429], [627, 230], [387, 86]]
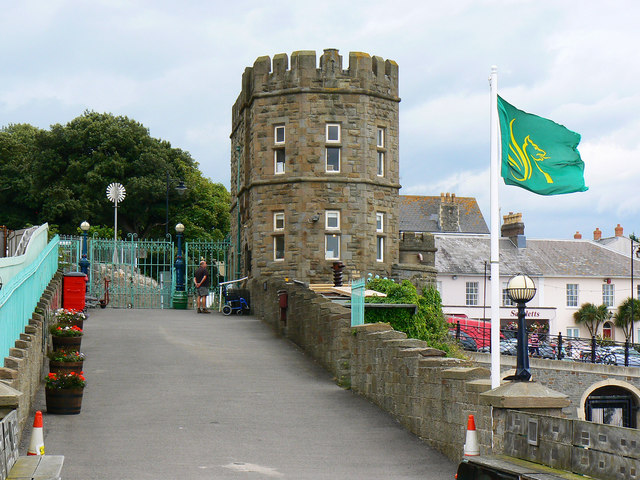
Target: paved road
[[173, 394]]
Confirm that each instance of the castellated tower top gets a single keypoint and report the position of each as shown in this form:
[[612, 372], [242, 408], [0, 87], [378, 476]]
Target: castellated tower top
[[366, 74]]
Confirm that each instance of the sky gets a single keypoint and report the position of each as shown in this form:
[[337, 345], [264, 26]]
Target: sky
[[176, 67]]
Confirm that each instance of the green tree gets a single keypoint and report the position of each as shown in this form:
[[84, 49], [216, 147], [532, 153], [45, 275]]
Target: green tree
[[622, 318], [591, 316], [60, 176], [428, 323]]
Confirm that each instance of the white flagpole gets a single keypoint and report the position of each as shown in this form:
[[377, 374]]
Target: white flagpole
[[495, 232]]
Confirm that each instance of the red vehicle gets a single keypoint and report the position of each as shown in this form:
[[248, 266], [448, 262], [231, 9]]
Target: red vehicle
[[479, 330]]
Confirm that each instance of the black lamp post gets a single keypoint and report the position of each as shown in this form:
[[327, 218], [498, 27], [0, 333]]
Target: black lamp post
[[179, 264], [84, 263], [521, 289], [181, 188]]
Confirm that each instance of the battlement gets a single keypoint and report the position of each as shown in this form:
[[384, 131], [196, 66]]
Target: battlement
[[366, 74]]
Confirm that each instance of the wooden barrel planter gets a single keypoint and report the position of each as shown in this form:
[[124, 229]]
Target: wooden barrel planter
[[65, 367], [66, 342], [66, 401]]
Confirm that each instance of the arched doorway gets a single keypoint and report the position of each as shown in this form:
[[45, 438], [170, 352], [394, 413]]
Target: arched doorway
[[607, 331], [612, 405]]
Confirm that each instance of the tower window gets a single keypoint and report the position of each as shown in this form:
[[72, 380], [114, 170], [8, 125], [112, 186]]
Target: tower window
[[380, 138], [380, 249], [332, 246], [332, 220], [278, 221], [278, 135], [279, 159], [380, 169], [333, 159], [333, 132], [278, 247], [379, 222]]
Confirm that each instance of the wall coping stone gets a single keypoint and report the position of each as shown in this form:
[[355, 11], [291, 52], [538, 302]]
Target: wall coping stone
[[8, 373], [389, 335], [479, 385], [409, 352], [372, 327], [524, 395], [430, 362], [432, 352], [9, 397], [466, 373], [405, 343]]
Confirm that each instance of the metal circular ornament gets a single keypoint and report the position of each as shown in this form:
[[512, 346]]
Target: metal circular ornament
[[116, 192]]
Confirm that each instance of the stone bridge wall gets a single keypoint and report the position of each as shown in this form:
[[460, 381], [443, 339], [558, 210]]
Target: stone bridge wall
[[22, 373]]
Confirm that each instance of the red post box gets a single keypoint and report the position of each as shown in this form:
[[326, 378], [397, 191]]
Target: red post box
[[74, 291]]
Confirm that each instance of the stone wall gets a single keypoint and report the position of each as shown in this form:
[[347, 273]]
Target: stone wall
[[23, 368], [574, 379], [430, 395]]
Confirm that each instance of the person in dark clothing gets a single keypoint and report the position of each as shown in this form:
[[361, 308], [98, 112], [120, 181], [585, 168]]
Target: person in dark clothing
[[202, 282]]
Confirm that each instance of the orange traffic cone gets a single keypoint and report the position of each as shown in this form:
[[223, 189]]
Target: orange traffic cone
[[471, 445], [36, 446]]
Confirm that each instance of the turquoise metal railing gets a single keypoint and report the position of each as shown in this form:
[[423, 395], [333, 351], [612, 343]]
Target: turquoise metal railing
[[357, 302], [19, 297]]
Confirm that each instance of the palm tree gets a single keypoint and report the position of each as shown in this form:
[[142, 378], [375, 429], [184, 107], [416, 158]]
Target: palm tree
[[622, 317], [591, 316]]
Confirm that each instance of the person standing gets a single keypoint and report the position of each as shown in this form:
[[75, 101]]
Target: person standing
[[202, 281]]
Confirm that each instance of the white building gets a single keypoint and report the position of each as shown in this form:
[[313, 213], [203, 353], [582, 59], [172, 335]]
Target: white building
[[567, 273]]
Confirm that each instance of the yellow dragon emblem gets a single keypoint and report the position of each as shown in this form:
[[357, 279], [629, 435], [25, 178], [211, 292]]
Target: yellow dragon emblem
[[520, 157]]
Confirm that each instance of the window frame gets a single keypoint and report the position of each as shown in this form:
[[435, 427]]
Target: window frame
[[381, 137], [326, 159], [275, 135], [471, 297], [571, 330], [326, 244], [326, 135], [608, 298], [379, 248], [379, 222], [380, 164], [276, 216], [327, 213], [506, 300], [276, 239], [572, 297], [277, 152]]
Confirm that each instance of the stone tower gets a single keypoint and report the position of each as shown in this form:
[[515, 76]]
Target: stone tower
[[314, 167]]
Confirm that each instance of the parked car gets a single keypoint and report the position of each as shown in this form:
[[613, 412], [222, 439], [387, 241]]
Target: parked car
[[507, 347], [616, 357], [466, 342]]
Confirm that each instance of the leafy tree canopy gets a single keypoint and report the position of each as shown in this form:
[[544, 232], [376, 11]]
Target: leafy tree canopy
[[60, 176]]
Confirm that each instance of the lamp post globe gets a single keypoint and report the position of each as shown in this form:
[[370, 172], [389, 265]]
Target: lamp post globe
[[84, 263], [521, 289]]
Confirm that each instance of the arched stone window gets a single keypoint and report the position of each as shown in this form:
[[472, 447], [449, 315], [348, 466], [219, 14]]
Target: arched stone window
[[611, 402]]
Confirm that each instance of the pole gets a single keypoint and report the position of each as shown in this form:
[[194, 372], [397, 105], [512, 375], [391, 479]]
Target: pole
[[238, 248], [115, 233], [495, 238], [523, 372], [484, 306], [166, 220], [631, 239]]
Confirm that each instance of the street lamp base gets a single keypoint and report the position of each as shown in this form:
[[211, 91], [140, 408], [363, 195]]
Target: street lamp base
[[180, 300]]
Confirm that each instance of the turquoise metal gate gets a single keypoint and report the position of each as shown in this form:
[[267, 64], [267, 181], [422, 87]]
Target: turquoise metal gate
[[136, 273], [141, 273]]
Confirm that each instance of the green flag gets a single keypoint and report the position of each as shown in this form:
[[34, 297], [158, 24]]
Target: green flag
[[539, 154]]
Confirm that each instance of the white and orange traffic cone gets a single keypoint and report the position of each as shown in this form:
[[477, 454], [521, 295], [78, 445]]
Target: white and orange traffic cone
[[471, 445], [36, 446]]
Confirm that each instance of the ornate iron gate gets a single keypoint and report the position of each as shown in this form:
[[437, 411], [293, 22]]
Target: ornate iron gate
[[140, 273]]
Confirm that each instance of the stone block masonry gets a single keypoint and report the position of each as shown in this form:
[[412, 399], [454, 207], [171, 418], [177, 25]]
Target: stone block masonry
[[280, 165], [428, 394], [22, 373]]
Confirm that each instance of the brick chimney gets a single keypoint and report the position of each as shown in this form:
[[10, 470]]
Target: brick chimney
[[597, 234], [618, 231], [577, 236], [513, 228], [449, 216]]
